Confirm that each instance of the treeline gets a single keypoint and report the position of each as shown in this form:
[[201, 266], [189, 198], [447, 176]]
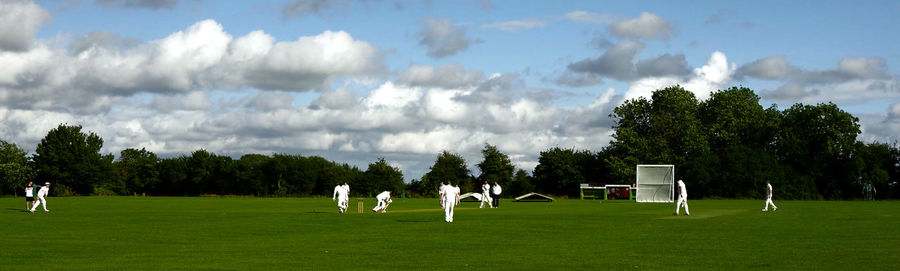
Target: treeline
[[729, 145], [724, 147], [71, 160]]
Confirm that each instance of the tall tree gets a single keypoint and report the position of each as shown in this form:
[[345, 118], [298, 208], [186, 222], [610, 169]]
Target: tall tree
[[380, 176], [819, 142], [72, 159], [558, 172], [496, 166], [250, 174], [136, 171], [14, 169], [664, 130], [734, 117], [447, 167]]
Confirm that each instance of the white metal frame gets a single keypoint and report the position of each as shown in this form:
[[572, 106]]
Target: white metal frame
[[647, 189]]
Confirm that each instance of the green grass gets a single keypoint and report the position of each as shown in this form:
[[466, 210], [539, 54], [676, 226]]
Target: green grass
[[119, 233]]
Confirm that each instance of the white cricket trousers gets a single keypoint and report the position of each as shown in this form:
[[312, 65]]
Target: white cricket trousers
[[682, 201], [769, 202], [485, 198], [382, 204], [38, 202], [448, 212], [342, 204]]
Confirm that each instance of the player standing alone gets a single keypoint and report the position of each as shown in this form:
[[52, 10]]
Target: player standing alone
[[341, 194], [29, 195], [769, 199], [451, 199], [486, 195], [41, 194], [682, 199]]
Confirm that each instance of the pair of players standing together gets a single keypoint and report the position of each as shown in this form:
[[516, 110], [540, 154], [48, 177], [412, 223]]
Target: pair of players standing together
[[682, 199], [41, 197]]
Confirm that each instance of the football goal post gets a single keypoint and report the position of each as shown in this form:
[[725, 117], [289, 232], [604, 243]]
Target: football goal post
[[655, 183]]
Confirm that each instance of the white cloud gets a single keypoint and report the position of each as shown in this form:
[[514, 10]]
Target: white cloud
[[201, 57], [442, 38], [590, 17], [19, 21], [863, 67], [618, 63], [515, 25], [194, 101], [715, 75], [768, 68], [854, 79], [151, 4], [647, 26], [299, 8], [448, 76]]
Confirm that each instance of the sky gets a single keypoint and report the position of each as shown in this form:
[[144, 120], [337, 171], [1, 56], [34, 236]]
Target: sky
[[355, 80]]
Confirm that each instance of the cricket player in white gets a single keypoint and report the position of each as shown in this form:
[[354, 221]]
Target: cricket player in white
[[441, 190], [682, 199], [41, 198], [347, 198], [451, 199], [384, 199], [486, 195], [341, 195], [769, 199]]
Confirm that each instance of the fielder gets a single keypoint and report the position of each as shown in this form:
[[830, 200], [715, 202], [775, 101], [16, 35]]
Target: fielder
[[682, 199], [384, 199], [29, 195], [769, 199], [486, 195], [451, 199], [41, 198], [346, 199], [341, 194]]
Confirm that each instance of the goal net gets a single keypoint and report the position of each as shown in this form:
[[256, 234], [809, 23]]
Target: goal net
[[655, 183]]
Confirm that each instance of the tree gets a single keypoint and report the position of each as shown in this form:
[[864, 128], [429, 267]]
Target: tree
[[136, 171], [173, 175], [14, 169], [380, 176], [250, 174], [521, 183], [734, 117], [664, 130], [877, 160], [72, 159], [447, 167], [819, 143], [496, 166], [559, 171]]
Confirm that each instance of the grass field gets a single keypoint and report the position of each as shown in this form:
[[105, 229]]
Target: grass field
[[119, 233]]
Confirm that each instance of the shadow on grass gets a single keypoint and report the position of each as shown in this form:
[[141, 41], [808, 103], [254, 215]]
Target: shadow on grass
[[18, 210]]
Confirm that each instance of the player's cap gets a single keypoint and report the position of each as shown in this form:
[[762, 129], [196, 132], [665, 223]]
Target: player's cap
[[47, 183]]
